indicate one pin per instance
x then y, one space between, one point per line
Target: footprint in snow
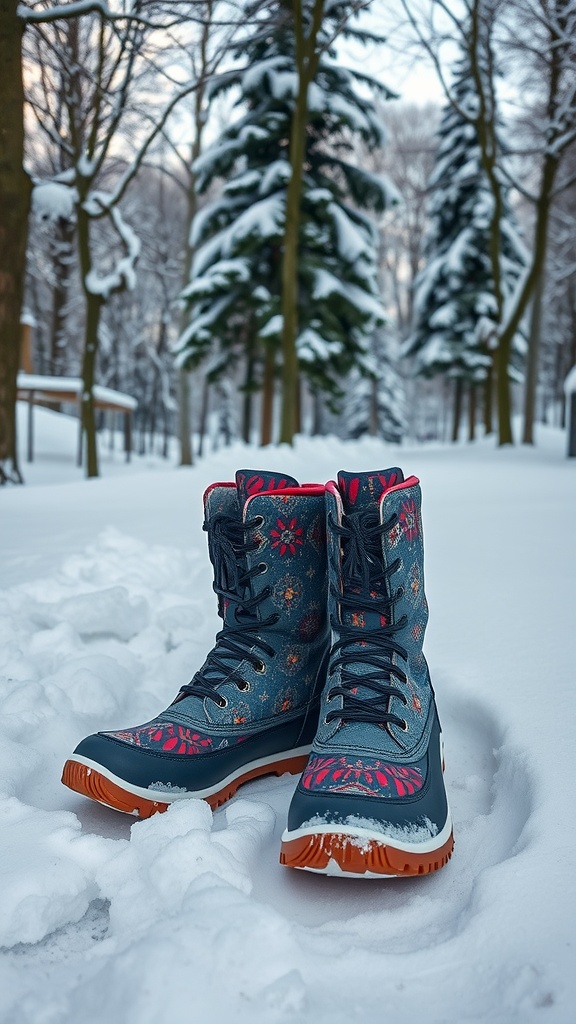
490 797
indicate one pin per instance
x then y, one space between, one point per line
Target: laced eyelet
259 521
243 685
404 725
260 667
263 567
222 702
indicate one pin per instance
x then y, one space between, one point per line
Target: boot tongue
364 490
255 481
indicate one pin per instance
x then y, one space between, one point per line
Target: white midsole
372 835
169 796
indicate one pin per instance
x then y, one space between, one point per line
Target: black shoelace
228 544
366 589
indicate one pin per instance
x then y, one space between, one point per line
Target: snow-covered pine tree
454 298
234 293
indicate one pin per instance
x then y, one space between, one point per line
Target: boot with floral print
371 801
252 709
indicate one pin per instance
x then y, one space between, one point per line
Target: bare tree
14 207
544 32
105 62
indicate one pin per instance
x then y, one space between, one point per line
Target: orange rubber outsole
93 784
358 856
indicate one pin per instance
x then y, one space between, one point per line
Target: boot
371 800
252 709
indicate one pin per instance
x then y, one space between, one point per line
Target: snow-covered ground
106 609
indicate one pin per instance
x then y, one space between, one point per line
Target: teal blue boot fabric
371 800
252 708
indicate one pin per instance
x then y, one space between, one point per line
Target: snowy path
191 915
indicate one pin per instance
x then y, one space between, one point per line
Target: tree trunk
316 413
472 412
290 269
298 419
503 399
489 401
184 425
14 206
458 392
249 385
532 361
93 309
373 426
203 416
307 58
268 394
62 253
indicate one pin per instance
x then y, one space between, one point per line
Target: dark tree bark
458 393
472 412
203 416
93 310
532 362
489 402
14 208
268 394
62 260
249 385
307 58
316 413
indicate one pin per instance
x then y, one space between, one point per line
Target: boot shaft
385 500
284 531
267 543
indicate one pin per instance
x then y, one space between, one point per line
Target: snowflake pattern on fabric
414 584
408 519
170 737
285 701
366 777
394 535
287 536
287 593
293 660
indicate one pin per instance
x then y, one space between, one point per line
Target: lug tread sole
93 784
320 851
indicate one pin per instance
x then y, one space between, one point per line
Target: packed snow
106 609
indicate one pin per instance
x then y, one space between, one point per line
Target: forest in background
231 219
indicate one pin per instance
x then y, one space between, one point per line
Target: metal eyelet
404 725
243 685
263 567
259 521
260 667
222 702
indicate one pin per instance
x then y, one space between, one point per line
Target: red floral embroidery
287 536
376 484
168 736
371 779
255 484
409 519
171 737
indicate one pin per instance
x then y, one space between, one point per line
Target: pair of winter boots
318 669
